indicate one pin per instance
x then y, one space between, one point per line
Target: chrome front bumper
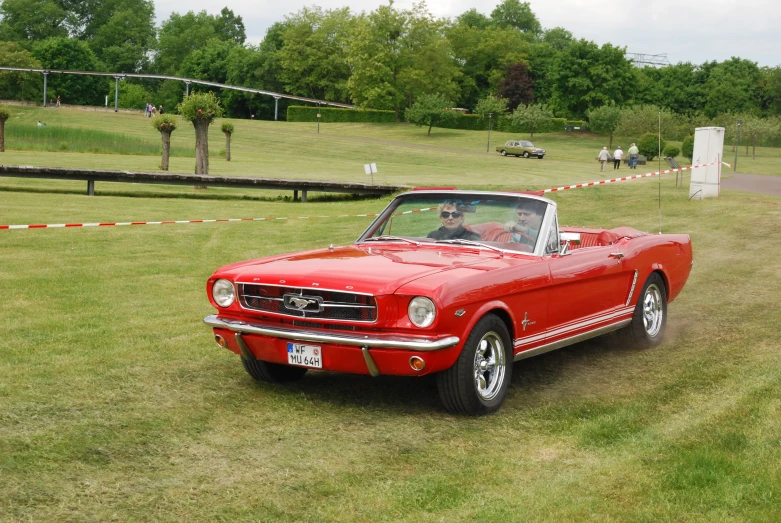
391 342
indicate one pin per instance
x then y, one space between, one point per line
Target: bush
648 145
671 151
687 147
297 113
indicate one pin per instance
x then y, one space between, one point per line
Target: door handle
616 255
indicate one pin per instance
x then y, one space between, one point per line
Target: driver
452 223
526 227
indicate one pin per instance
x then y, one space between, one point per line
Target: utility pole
737 146
488 146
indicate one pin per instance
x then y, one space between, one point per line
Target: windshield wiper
470 242
391 238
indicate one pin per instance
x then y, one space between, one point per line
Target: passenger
526 227
452 224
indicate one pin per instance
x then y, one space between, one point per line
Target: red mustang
452 282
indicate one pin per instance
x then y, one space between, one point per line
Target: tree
201 109
491 105
19 85
133 96
605 120
121 33
483 56
314 54
586 76
210 62
532 115
733 85
5 114
396 56
166 124
227 128
773 90
558 38
754 129
33 20
230 27
513 13
638 120
649 145
179 36
517 86
473 18
74 55
430 110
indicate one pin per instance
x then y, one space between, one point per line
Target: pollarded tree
532 115
166 124
4 115
605 120
430 109
201 109
227 128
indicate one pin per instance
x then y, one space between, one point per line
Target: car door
586 284
513 148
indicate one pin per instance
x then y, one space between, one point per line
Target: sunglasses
454 214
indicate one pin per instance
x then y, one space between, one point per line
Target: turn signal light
221 341
417 363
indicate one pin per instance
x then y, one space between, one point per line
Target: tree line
388 58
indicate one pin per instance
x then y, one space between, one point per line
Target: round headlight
422 311
223 293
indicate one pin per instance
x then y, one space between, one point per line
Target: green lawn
116 404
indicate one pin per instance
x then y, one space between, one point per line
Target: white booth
708 150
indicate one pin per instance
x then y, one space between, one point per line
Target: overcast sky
685 30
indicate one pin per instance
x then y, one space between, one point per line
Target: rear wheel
504 153
650 316
272 372
526 154
478 381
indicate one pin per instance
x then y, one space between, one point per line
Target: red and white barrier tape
627 178
172 222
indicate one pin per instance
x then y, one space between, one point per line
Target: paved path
755 183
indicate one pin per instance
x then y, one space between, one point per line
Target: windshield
526 144
495 221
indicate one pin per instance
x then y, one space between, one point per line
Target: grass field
115 403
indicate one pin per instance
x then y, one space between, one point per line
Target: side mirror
566 239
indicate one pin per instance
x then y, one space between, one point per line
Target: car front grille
308 303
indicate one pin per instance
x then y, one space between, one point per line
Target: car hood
372 269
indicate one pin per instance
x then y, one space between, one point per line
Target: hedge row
467 122
297 113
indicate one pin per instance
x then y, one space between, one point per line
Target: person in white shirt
604 156
617 157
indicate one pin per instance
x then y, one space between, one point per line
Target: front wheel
650 316
272 372
504 153
540 156
478 381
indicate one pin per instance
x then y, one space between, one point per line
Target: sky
694 31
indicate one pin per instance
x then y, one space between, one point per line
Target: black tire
272 372
460 385
526 154
504 153
541 156
649 319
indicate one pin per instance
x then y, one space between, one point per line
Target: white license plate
305 355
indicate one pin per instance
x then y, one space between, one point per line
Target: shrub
648 145
671 151
687 147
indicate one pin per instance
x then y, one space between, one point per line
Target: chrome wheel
489 366
504 153
653 312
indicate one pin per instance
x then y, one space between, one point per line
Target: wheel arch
658 269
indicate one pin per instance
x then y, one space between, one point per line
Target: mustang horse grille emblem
297 302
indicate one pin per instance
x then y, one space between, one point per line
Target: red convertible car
456 283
